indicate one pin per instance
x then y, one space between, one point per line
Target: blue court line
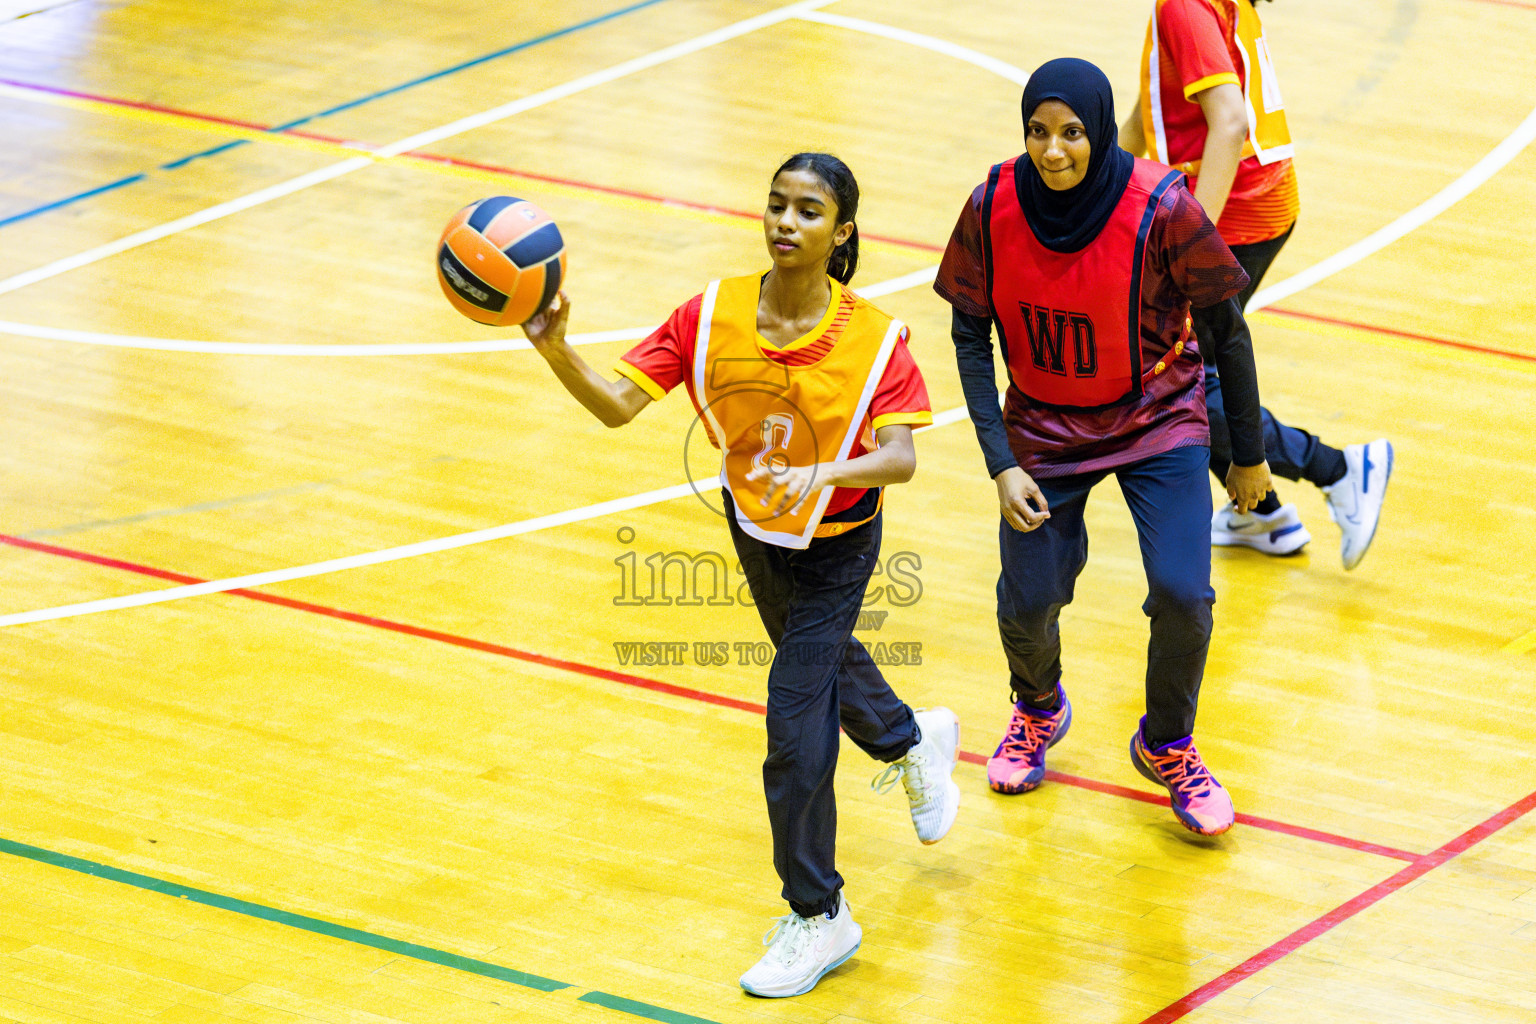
225 147
337 931
120 183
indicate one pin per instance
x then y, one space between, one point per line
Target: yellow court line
167 118
1521 645
565 190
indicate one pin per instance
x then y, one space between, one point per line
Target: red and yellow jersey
670 356
1194 45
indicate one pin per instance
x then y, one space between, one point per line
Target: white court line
1479 173
10 10
900 284
417 141
502 344
1015 75
806 9
426 547
235 348
213 213
1420 215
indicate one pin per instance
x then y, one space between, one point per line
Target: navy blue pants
1292 453
1171 504
821 676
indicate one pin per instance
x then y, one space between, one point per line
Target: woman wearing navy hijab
1098 269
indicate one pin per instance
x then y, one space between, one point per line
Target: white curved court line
1002 68
426 547
1474 177
1420 215
234 348
416 141
1499 157
441 348
1479 173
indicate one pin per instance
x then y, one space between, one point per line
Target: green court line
283 917
337 931
640 1009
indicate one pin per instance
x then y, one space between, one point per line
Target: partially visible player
1210 106
812 395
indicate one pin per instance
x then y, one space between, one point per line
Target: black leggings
1292 452
821 677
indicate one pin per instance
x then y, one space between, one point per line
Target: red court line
1342 913
399 627
587 186
1253 820
1391 332
437 158
155 108
1510 3
685 204
1419 866
655 685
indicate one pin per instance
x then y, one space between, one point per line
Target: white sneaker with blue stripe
1354 501
1279 533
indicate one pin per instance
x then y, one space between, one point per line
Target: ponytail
840 183
844 261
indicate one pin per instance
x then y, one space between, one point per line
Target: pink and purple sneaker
1018 766
1199 801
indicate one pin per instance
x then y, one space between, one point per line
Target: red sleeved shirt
1187 262
665 359
1197 50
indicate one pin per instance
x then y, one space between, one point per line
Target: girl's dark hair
838 179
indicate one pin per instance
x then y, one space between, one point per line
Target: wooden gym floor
401 759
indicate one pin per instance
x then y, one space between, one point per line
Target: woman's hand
613 402
788 487
1015 493
547 329
1247 485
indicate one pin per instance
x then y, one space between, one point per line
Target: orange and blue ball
501 260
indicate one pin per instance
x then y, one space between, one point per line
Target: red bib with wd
764 414
1070 321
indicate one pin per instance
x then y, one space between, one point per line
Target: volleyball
501 260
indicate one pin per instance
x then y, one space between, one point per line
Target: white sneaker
800 951
926 772
1279 533
1354 501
